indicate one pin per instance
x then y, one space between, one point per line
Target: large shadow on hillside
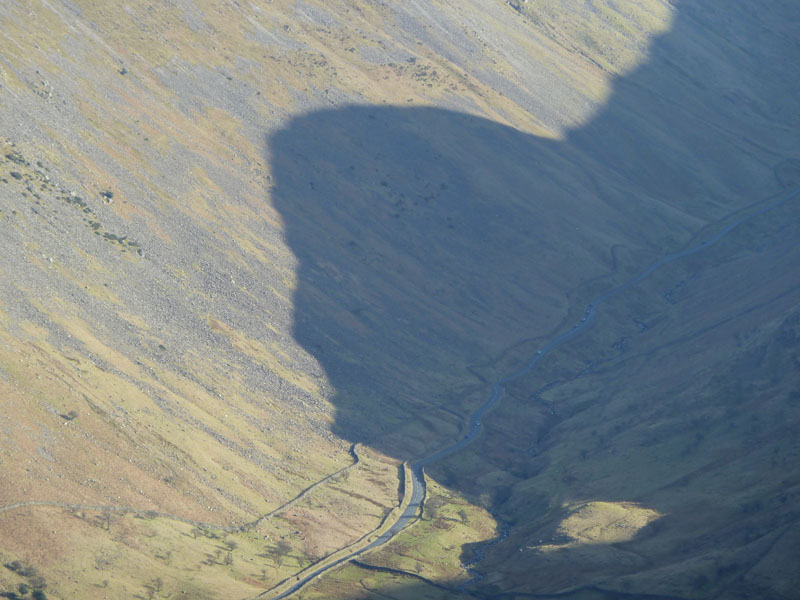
429 240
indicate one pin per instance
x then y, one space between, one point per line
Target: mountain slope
238 239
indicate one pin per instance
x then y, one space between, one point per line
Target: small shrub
37 582
22 569
16 157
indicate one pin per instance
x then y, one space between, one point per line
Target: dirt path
125 510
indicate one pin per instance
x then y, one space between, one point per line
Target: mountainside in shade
258 255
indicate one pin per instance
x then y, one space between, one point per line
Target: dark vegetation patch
35 583
36 178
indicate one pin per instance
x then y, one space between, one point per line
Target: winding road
417 485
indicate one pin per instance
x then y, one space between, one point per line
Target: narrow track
141 512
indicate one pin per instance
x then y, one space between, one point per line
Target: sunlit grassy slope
160 390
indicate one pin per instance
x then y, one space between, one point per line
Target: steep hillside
256 255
